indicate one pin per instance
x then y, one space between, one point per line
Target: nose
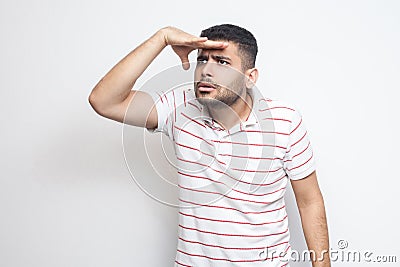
207 69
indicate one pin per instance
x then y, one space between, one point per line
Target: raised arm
113 93
312 212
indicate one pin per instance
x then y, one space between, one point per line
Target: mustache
209 81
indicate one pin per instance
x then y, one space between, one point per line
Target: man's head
245 41
222 76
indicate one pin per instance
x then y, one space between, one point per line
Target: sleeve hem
158 106
302 174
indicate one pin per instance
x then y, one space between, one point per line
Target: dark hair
247 44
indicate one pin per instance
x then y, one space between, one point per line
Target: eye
201 61
223 62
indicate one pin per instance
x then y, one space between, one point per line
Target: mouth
205 87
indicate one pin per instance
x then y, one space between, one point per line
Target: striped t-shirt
232 182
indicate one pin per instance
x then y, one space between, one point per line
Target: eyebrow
221 57
217 57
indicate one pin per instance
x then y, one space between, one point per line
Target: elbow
316 203
95 99
92 101
95 104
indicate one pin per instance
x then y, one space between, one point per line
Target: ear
252 76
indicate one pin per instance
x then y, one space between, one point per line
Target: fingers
210 44
203 42
197 43
200 39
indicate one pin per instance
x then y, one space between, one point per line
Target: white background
66 196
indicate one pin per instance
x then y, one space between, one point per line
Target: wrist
163 35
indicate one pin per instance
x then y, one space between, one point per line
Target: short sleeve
164 104
299 159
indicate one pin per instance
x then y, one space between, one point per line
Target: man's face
219 80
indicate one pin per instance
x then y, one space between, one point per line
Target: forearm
116 85
315 229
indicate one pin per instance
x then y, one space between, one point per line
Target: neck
237 112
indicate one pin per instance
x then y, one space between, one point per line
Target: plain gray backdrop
66 195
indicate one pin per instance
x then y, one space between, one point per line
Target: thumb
185 62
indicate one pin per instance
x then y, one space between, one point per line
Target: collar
251 119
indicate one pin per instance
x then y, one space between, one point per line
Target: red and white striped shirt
232 183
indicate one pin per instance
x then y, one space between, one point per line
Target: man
236 150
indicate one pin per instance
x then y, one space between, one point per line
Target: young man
236 150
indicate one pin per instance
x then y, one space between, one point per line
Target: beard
222 96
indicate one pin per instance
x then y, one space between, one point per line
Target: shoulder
277 107
285 115
173 97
